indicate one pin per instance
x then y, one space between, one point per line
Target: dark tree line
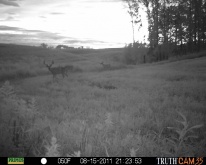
178 24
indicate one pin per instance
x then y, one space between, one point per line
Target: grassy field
154 109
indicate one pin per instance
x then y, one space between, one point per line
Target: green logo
15 160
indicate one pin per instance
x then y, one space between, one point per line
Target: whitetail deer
65 69
105 66
55 70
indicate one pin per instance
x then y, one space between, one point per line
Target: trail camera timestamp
111 161
128 160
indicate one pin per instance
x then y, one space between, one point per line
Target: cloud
8 28
42 17
91 1
40 33
9 3
89 43
49 35
77 41
10 18
17 35
11 13
56 13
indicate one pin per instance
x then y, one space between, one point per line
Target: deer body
58 70
105 66
65 70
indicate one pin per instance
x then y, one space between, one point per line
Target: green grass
188 56
144 110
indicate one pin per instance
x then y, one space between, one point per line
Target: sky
75 23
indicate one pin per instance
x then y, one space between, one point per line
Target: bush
135 53
19 116
160 53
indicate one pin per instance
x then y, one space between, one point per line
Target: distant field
143 110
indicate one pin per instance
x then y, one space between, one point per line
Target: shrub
160 52
18 116
135 53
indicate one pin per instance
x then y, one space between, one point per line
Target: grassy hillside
26 61
120 111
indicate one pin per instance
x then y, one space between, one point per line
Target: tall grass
147 110
107 136
135 53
